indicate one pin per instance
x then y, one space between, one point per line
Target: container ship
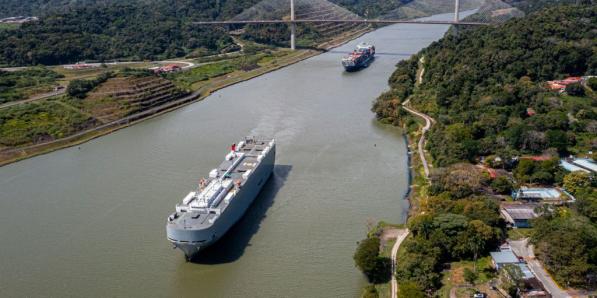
222 198
361 57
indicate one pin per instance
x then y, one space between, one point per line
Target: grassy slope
22 84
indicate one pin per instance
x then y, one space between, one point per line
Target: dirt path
401 235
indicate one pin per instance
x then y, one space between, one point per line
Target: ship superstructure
361 57
221 199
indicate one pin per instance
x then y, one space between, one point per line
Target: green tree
410 290
367 259
542 177
512 279
586 203
524 170
567 245
366 255
576 181
475 239
557 139
420 264
575 89
592 83
80 88
421 224
502 185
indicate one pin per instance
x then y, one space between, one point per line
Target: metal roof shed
502 258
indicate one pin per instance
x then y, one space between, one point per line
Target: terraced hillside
49 120
123 96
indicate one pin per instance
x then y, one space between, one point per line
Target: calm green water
89 221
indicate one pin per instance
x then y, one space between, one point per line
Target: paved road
402 234
421 145
33 98
521 248
188 64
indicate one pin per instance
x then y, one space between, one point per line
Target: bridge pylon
293 21
457 11
292 27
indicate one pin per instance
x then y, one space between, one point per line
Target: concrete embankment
10 155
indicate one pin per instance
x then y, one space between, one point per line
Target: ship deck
229 171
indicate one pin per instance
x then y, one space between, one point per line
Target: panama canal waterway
89 221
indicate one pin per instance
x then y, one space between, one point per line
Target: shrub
576 181
410 290
470 276
592 83
502 185
370 292
575 89
80 88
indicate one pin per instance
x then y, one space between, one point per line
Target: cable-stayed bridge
261 13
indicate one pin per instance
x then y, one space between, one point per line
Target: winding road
402 234
428 122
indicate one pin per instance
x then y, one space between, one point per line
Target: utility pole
292 27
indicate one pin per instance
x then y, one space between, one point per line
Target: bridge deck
360 21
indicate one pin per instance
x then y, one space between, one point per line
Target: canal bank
11 155
89 220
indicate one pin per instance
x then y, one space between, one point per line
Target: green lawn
186 79
204 72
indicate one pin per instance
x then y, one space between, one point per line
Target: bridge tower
293 24
292 27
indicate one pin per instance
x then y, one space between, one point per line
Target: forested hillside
74 30
110 30
487 90
535 5
481 84
210 8
10 8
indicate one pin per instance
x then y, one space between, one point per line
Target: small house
500 259
543 194
585 163
560 85
518 216
167 68
571 167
